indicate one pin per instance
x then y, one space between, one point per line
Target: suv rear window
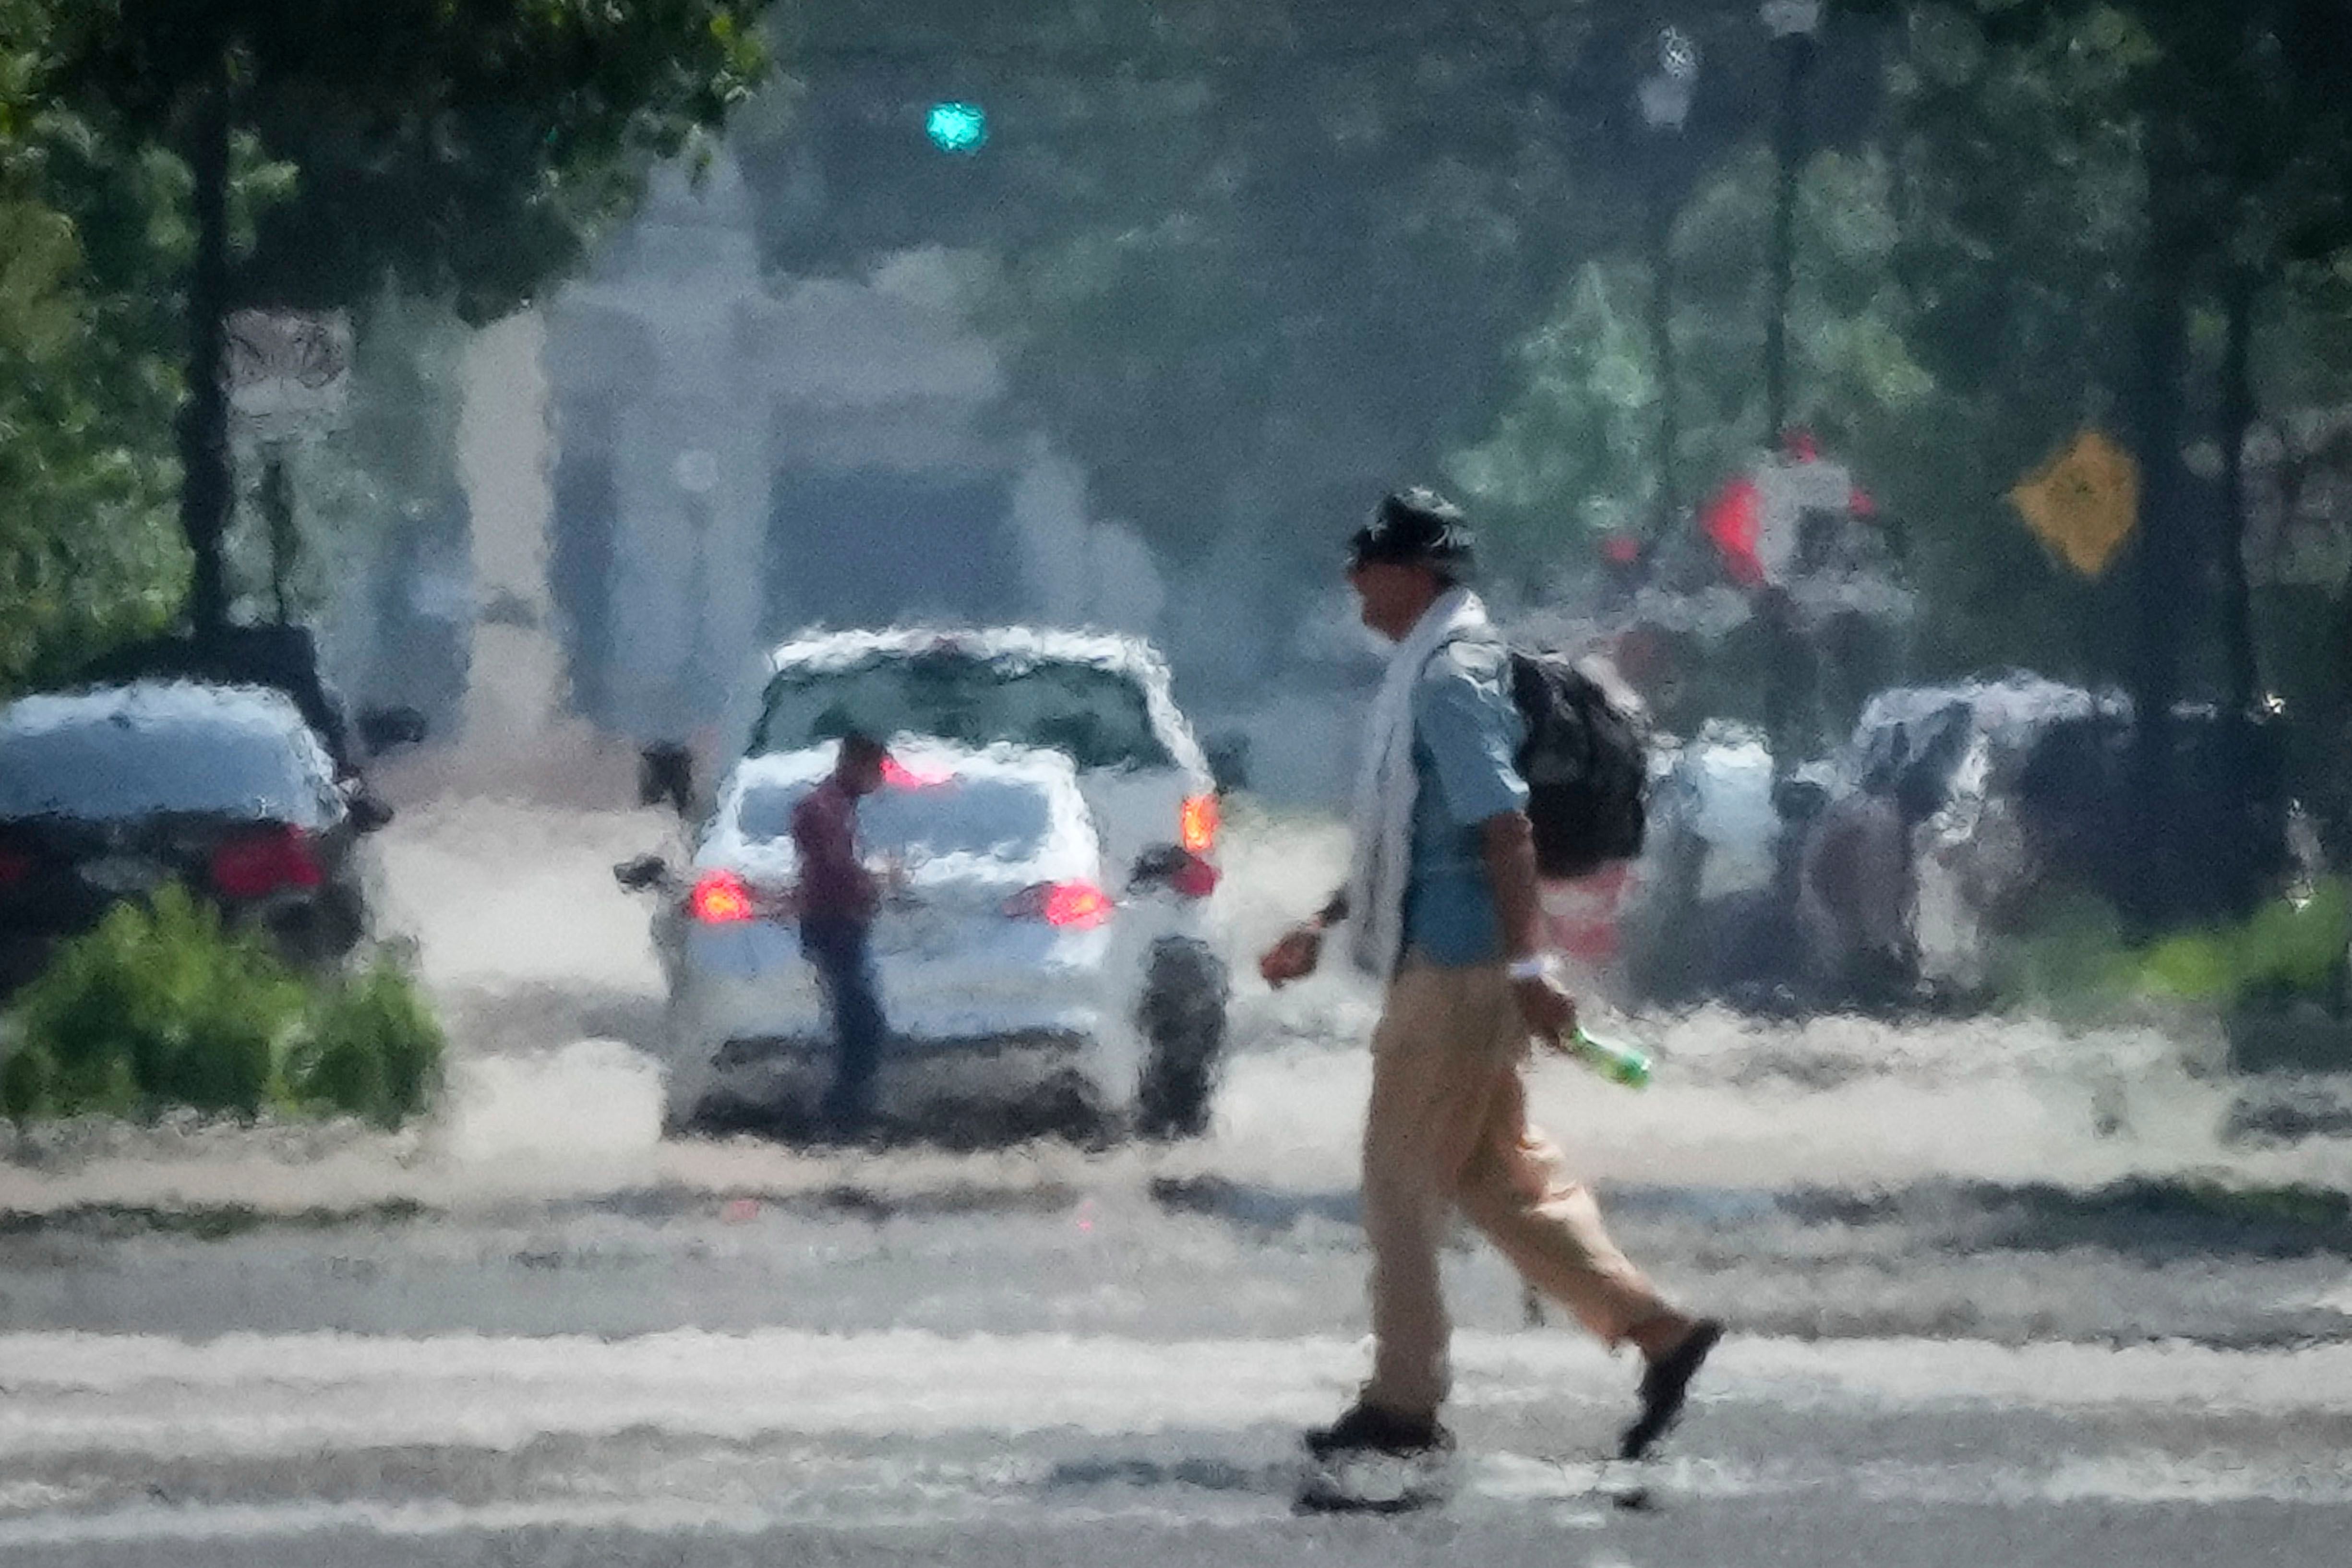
995 818
1097 718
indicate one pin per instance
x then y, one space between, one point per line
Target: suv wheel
1184 1040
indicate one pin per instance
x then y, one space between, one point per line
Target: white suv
1103 703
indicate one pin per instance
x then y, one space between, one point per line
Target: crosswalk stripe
299 1394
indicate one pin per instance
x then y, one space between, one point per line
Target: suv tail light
1197 823
899 776
14 866
1069 905
720 898
254 864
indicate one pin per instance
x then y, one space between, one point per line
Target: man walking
1444 909
838 897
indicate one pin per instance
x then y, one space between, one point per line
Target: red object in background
14 866
1620 549
253 865
1196 878
1734 521
1580 916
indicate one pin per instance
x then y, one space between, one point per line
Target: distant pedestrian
1444 908
838 898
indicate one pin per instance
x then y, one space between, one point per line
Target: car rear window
1097 718
996 819
105 769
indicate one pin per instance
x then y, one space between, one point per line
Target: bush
373 1049
163 1007
159 1006
2069 959
2072 958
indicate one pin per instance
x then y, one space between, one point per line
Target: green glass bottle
1613 1059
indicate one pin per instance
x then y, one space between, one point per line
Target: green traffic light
956 127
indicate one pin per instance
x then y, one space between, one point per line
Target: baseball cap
1414 528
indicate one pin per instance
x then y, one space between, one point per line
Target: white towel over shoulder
1386 785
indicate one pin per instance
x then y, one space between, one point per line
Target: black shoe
1369 1429
1664 1386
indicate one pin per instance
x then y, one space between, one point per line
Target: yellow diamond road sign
2083 503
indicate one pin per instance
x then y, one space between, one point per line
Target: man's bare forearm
1509 844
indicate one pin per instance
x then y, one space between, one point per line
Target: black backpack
1586 763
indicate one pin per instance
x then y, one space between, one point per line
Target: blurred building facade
738 455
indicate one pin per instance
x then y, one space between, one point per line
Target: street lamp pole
1665 98
1792 24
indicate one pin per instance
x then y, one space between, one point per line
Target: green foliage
158 1005
1573 456
161 1007
2293 946
2071 959
374 1048
1252 259
466 153
86 550
2068 960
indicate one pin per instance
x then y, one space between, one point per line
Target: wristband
1536 969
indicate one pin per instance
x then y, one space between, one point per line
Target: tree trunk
2237 418
205 479
1662 350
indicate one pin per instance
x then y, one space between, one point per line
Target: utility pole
1792 24
1665 98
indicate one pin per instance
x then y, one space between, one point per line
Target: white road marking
293 1395
739 1433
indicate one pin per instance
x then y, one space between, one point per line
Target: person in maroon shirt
838 897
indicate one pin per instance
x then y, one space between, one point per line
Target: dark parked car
107 794
281 658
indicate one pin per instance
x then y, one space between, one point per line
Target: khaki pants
1447 1128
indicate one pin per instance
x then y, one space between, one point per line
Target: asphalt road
2002 1294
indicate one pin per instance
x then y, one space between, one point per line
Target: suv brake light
1197 823
15 867
720 898
254 864
899 776
1069 906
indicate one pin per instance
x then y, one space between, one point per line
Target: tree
1251 261
461 150
86 551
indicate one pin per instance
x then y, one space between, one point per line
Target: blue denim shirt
1467 732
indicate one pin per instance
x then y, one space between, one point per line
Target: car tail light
720 898
1197 823
254 864
1069 905
15 867
899 776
